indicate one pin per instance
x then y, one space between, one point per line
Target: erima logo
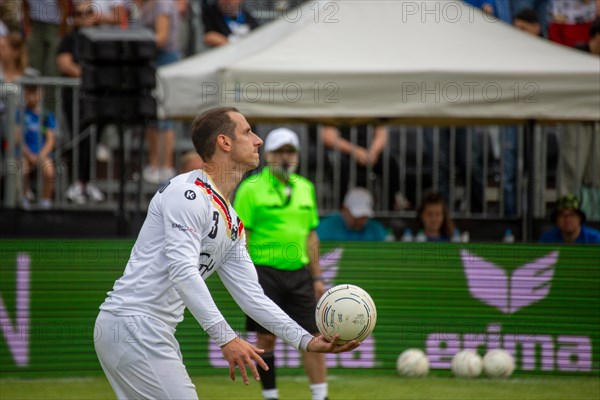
528 284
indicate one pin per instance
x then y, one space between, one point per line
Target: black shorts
292 291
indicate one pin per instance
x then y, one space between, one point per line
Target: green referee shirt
278 223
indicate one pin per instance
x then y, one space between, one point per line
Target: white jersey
190 232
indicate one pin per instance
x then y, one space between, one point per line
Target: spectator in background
571 21
13 65
528 21
367 156
569 220
354 222
184 34
68 63
434 218
190 161
226 21
279 211
37 142
13 58
45 24
503 10
163 19
540 7
593 44
580 150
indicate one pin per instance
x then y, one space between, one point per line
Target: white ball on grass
412 363
498 363
467 364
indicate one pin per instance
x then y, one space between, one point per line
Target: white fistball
412 363
498 364
347 310
467 364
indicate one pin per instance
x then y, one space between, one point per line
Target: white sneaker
25 204
151 175
45 204
93 193
75 193
166 173
102 152
29 195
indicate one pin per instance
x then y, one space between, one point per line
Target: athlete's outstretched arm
239 277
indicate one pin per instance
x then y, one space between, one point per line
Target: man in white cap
279 211
354 222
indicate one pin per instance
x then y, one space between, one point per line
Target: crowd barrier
497 164
539 302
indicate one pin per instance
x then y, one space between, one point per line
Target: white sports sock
319 391
270 394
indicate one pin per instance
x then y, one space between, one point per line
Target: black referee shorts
292 291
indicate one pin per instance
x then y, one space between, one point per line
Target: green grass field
345 387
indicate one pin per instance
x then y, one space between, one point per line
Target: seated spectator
37 142
569 220
434 219
528 21
226 21
354 221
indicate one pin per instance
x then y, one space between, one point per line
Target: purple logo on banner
17 333
491 284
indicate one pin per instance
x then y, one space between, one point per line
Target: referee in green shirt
279 212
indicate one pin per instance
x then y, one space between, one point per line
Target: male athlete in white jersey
190 232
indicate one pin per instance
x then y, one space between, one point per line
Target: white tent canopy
395 60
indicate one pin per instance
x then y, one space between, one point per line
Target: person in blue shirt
354 222
226 21
38 140
569 220
434 218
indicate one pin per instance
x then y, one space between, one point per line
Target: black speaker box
117 108
113 44
115 77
